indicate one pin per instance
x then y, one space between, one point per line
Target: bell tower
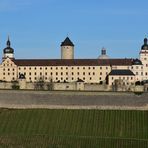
144 58
8 52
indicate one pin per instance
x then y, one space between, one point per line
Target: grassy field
73 128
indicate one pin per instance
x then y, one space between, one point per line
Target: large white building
68 69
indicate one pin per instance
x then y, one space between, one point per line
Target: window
66 73
40 68
61 78
78 73
93 73
83 78
24 68
131 78
61 67
77 67
90 78
4 69
45 73
56 68
8 69
112 78
29 68
83 73
56 73
61 73
66 67
51 68
100 67
56 78
35 68
72 78
71 67
51 73
89 73
4 73
45 68
35 78
136 73
100 78
30 73
106 67
93 67
83 67
100 73
35 73
40 73
13 73
72 73
13 69
88 67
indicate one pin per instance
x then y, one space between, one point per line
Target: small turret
103 54
145 45
67 49
8 51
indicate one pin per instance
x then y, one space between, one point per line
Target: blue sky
37 27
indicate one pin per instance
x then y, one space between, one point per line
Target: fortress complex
102 70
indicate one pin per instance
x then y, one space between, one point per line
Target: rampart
73 100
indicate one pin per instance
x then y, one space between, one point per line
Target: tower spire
8 42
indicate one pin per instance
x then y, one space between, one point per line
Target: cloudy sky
37 27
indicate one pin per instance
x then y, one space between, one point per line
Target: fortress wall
72 100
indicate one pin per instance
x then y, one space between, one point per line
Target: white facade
68 69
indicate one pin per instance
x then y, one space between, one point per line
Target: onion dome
136 62
67 42
145 45
103 54
8 49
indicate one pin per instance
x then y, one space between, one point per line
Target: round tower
8 51
67 49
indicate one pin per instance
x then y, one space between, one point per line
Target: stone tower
67 49
8 51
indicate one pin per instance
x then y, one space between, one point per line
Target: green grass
73 128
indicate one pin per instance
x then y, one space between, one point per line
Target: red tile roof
72 62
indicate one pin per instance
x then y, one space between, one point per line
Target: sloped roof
121 72
73 62
67 42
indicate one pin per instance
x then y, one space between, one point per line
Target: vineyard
73 128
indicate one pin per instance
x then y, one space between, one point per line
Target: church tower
67 49
8 51
144 58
